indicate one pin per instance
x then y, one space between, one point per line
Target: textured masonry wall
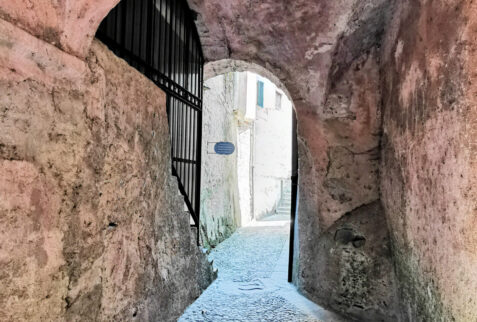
355 267
91 222
219 199
428 169
336 172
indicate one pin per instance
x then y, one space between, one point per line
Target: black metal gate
159 38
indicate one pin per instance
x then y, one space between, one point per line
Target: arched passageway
220 67
246 200
385 105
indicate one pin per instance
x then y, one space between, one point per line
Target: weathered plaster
428 168
92 225
356 267
69 25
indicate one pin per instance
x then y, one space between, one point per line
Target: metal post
294 194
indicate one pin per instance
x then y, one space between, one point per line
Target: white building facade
265 137
236 190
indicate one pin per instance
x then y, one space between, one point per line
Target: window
260 86
278 101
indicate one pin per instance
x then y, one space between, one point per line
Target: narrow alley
252 280
165 160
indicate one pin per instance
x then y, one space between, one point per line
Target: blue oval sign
224 148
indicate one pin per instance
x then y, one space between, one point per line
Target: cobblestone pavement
252 282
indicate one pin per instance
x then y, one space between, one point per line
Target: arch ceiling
321 51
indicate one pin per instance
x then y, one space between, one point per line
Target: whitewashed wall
272 148
244 175
220 210
263 153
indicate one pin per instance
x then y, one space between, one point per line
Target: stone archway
338 117
338 149
218 67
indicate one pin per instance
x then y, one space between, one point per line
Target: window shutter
260 86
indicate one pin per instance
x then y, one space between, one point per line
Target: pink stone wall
339 190
91 220
67 24
428 171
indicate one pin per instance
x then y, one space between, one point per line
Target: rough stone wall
354 256
68 24
91 222
347 175
428 170
219 206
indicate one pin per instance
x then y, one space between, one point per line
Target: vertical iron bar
173 130
189 174
172 121
175 56
179 135
201 76
165 42
191 63
184 147
201 87
123 22
196 49
186 142
175 133
173 42
197 68
150 31
170 41
141 34
187 60
198 172
133 31
183 141
160 47
294 194
193 139
181 47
